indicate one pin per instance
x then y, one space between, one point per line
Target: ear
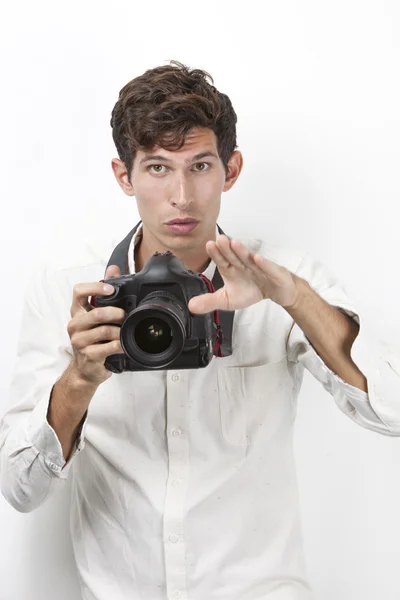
121 175
235 165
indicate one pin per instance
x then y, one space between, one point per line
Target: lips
181 221
182 226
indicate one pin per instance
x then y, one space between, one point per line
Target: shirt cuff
369 356
43 437
360 354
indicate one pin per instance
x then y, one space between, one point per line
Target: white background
315 85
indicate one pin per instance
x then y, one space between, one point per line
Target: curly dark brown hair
162 105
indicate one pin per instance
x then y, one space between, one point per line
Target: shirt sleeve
379 408
32 464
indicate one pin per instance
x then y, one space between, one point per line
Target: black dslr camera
159 332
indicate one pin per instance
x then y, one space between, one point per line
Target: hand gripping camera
159 332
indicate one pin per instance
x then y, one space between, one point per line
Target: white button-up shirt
184 483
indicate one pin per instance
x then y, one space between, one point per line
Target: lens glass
153 335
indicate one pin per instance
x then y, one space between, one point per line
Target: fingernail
108 288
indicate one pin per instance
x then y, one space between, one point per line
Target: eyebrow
165 159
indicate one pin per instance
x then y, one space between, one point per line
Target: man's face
178 192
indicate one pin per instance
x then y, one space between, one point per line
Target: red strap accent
219 336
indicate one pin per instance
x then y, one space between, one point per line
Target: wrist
79 381
302 291
71 394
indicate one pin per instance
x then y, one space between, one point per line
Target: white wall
316 88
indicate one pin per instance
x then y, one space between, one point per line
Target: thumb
206 303
112 271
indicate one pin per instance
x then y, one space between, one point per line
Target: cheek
148 195
208 191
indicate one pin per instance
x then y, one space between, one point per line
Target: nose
181 196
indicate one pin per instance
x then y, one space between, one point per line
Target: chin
182 243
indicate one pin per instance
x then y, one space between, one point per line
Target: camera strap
223 318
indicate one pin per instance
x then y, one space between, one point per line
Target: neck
195 259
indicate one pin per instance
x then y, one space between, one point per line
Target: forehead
196 140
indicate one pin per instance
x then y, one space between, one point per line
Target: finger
99 352
81 294
102 333
216 255
112 271
90 319
243 253
206 303
228 253
268 267
260 266
105 314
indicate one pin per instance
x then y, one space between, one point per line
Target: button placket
178 453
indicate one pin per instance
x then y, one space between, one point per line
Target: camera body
159 332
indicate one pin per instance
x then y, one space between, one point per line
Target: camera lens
153 335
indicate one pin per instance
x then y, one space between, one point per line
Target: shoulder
299 261
66 261
67 252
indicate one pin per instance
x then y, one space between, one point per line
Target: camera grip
116 363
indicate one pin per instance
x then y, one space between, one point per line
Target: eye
204 166
157 168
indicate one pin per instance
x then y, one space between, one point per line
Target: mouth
181 221
182 226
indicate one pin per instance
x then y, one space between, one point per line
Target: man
184 482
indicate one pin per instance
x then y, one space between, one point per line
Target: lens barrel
154 333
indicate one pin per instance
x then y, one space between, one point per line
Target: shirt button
176 432
53 467
176 482
177 594
173 538
175 377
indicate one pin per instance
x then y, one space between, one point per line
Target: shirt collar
137 238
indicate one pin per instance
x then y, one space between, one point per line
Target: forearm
330 332
68 404
31 467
